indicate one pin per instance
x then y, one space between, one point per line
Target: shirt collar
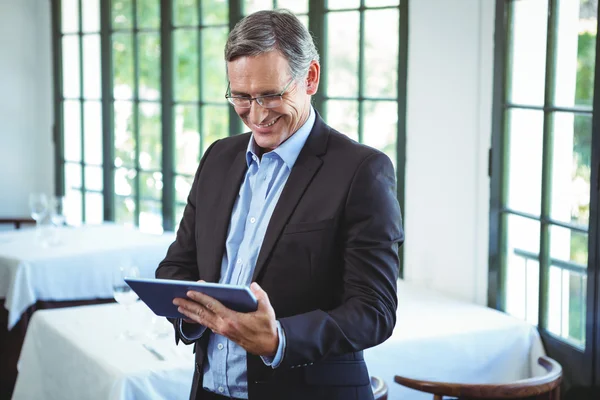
289 150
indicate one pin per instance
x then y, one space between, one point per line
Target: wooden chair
545 387
380 389
17 221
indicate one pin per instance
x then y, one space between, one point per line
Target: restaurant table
78 268
72 353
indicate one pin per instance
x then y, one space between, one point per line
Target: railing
575 268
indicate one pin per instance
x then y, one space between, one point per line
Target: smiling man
303 215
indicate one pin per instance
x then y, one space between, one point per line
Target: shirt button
221 389
252 220
220 346
239 261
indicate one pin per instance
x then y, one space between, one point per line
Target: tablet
158 294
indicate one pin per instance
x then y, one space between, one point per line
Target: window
140 90
541 170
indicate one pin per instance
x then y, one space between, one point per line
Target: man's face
267 74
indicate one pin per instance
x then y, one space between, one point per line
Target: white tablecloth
79 268
72 353
76 353
439 338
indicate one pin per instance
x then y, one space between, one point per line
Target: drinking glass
57 218
123 294
38 208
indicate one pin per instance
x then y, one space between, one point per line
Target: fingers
263 298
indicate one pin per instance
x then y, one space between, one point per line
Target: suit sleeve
180 260
371 234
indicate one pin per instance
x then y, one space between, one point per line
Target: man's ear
313 77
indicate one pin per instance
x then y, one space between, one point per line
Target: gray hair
265 31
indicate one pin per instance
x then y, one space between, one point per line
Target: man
305 216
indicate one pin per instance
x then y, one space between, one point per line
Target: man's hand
256 332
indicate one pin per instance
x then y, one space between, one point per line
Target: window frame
577 362
317 10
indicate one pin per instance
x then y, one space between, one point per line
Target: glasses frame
258 99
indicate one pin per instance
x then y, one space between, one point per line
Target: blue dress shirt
225 369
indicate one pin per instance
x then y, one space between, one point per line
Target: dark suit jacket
329 261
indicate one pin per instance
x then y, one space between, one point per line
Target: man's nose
257 112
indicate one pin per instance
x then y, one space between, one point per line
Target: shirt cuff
190 332
275 361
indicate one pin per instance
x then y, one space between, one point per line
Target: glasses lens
269 102
239 102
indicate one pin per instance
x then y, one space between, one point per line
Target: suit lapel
226 200
306 166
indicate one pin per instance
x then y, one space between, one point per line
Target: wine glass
57 218
38 208
122 293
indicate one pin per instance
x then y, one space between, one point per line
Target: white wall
26 150
450 73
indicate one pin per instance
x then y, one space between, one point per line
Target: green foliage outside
582 144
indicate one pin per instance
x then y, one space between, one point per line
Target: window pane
150 136
522 267
571 168
93 132
72 176
569 246
381 122
525 131
70 16
72 130
125 211
151 220
342 115
125 182
124 138
304 20
567 304
73 207
122 16
91 15
185 12
528 52
91 67
214 78
342 54
123 66
215 12
215 124
186 64
183 185
151 185
70 67
187 139
93 178
295 6
250 6
149 66
382 3
381 53
337 4
576 54
94 208
148 14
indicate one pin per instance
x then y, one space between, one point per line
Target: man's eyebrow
263 93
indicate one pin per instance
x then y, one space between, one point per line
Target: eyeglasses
267 101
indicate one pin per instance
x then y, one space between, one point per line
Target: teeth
269 124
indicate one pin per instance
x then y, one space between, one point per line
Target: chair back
17 222
544 387
380 389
